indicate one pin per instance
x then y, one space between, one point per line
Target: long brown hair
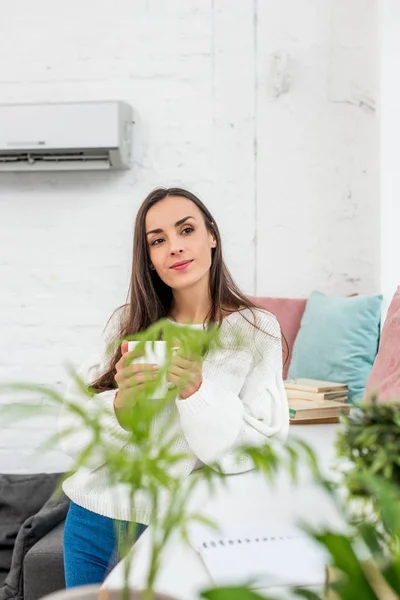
150 299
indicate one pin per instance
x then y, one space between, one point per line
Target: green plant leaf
391 574
203 520
300 446
370 442
353 584
308 594
370 537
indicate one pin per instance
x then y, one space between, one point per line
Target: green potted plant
370 442
150 468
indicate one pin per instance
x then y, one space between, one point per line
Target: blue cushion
338 340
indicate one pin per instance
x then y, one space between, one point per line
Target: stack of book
314 401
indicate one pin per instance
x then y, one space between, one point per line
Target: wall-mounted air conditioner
66 136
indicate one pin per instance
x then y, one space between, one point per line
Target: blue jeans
90 546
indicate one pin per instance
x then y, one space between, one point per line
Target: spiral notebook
263 559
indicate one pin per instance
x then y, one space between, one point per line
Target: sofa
44 565
32 514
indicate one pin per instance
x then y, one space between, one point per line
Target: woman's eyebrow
180 222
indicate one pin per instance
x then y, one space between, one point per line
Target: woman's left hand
186 373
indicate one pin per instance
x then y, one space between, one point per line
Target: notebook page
264 560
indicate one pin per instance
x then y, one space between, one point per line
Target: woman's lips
181 265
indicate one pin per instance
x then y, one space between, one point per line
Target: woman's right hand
130 377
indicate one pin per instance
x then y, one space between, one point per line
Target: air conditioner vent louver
32 157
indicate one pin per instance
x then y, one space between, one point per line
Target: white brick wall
283 152
317 183
390 134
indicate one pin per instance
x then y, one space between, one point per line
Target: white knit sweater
241 400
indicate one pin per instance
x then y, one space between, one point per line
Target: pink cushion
385 375
289 312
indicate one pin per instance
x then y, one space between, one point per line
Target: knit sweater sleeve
217 421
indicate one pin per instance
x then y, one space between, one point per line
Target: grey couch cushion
44 566
21 496
34 529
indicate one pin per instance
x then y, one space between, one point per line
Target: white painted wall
317 168
264 109
389 147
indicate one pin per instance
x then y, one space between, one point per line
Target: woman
178 273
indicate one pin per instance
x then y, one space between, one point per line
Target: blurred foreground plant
149 469
370 442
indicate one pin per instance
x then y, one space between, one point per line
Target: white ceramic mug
155 353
